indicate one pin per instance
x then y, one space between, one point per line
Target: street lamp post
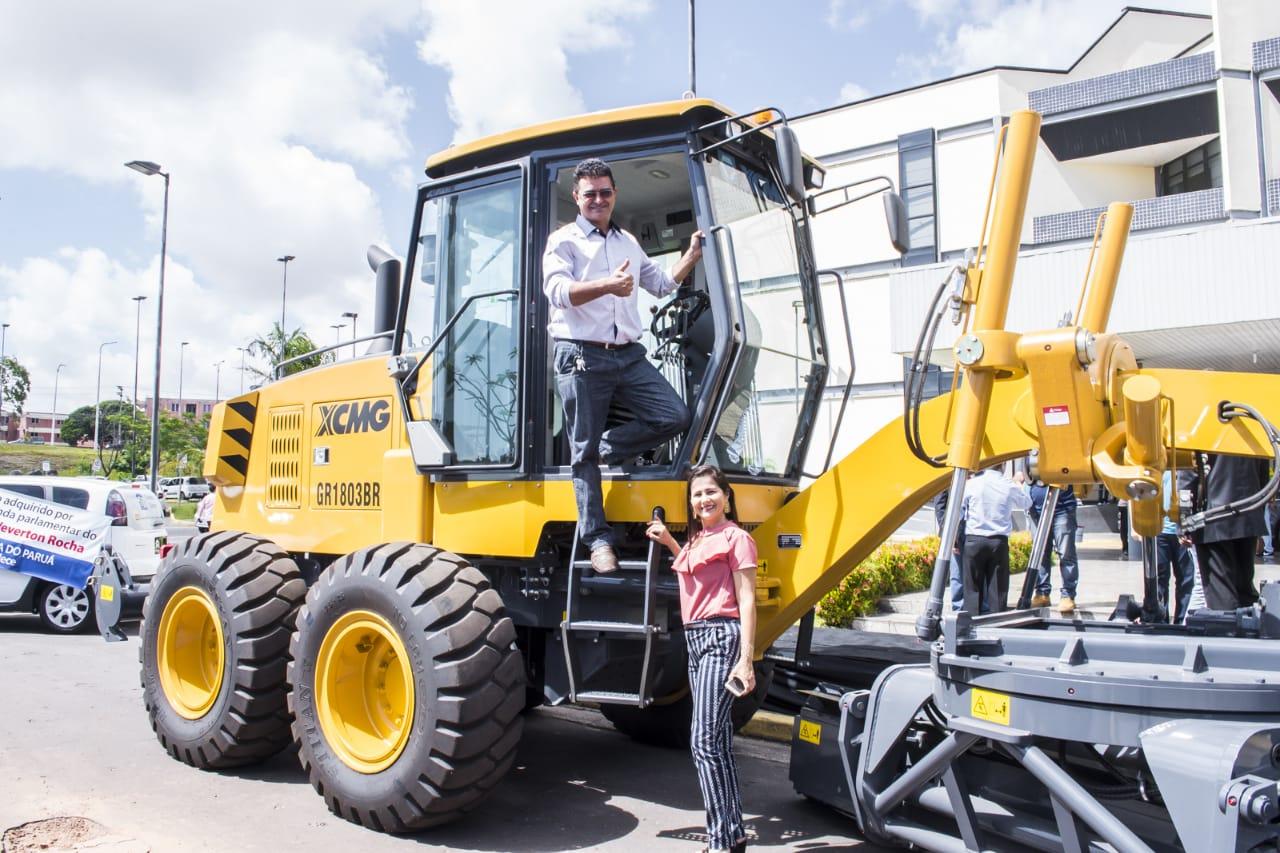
352 315
53 421
182 358
337 337
97 404
243 350
284 292
146 167
217 382
133 407
4 420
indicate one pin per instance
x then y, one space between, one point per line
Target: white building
1177 113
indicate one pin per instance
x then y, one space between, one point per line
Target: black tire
65 609
256 591
667 724
467 677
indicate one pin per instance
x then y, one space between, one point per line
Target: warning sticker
1056 415
989 706
810 732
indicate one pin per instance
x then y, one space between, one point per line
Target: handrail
748 130
731 276
275 371
444 332
848 337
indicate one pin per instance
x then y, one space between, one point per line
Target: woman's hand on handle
658 532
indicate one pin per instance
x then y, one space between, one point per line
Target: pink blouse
705 570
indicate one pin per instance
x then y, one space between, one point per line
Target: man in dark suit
1225 548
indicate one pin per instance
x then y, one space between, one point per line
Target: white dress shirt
579 252
989 501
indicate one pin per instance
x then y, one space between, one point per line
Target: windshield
779 372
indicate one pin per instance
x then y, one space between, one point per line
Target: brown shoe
1066 605
603 560
1039 600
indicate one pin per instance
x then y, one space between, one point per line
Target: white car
137 534
182 488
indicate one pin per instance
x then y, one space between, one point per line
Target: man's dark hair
593 167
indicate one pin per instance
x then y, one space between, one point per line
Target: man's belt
597 344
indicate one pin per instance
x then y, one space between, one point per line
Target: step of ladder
610 627
623 565
610 697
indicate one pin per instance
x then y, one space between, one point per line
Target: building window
916 180
1200 169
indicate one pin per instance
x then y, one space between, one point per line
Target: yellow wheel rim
190 656
364 691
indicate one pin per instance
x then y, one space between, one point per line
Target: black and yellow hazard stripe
232 424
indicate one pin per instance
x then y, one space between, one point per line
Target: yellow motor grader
394 575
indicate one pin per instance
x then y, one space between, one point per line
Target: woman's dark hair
695 524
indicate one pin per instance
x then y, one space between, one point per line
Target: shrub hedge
895 568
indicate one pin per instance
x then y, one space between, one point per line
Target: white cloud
839 17
853 92
975 34
508 60
261 113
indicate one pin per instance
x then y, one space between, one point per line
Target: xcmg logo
354 416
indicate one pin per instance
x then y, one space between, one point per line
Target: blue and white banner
48 540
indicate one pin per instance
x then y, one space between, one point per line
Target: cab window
469 244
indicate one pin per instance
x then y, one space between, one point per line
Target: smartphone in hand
735 686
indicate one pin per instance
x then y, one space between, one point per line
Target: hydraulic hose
1227 411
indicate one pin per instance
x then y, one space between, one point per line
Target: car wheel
64 609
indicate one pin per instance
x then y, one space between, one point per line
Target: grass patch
62 459
183 511
893 569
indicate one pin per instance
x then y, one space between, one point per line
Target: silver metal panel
1203 297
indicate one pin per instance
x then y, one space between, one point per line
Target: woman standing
717 574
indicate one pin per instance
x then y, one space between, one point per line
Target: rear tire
410 644
667 725
65 609
215 646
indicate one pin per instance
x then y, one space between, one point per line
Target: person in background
989 501
957 570
1063 542
716 570
204 510
1122 507
1225 548
1173 555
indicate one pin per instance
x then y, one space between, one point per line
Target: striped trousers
713 650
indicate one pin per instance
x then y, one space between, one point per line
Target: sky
301 128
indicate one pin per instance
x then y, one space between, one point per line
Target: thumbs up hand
620 283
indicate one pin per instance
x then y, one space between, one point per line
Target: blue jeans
589 379
1172 554
1064 542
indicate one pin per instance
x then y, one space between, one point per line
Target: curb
768 725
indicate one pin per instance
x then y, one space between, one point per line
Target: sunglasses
592 195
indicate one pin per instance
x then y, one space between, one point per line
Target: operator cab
742 340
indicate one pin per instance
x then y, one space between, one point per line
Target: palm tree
275 347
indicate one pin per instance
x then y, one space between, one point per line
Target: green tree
275 348
78 426
15 383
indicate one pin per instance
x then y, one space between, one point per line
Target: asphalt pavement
76 743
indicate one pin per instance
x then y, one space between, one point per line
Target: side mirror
790 163
895 216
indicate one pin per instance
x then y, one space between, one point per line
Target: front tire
64 609
215 644
407 687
